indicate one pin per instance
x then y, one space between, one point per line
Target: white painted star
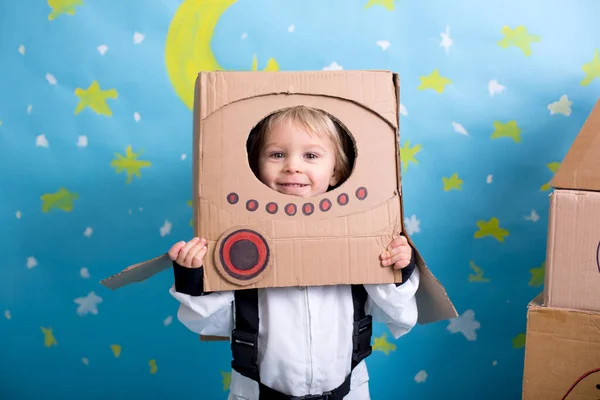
7 314
562 106
137 116
138 38
102 49
244 35
534 217
333 67
85 361
495 88
446 40
167 321
165 229
29 107
494 363
82 141
291 28
31 262
403 110
183 156
84 273
88 232
458 128
88 304
384 44
412 225
421 376
41 141
22 50
489 178
465 324
50 78
18 214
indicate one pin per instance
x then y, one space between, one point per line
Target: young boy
304 333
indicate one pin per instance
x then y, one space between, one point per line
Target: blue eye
276 155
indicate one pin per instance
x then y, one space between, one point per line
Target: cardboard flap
580 168
138 272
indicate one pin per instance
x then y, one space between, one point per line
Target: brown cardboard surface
339 239
562 354
580 168
573 251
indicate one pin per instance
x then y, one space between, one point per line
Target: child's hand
190 254
399 253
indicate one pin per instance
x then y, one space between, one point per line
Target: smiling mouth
292 185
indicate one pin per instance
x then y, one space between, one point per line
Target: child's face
296 163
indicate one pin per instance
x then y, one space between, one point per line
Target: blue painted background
130 343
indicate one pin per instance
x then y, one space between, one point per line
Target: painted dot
361 193
325 205
342 199
232 198
308 208
272 208
290 209
251 205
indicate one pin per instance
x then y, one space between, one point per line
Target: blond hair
314 122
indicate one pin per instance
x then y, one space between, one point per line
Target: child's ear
334 179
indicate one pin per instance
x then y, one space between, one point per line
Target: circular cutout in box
243 255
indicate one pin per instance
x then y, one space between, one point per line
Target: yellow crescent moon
188 45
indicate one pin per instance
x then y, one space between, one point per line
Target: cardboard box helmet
258 237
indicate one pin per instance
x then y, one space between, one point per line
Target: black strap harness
244 343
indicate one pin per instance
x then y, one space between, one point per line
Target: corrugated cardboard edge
550 248
567 175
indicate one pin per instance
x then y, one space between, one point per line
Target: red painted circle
290 209
342 199
260 246
232 198
251 205
361 193
272 208
325 205
308 208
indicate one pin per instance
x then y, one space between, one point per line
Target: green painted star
61 200
226 380
454 182
407 154
519 341
510 129
591 69
60 7
491 228
129 163
388 4
95 98
518 37
537 275
553 167
434 81
477 276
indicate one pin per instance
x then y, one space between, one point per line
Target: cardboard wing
260 238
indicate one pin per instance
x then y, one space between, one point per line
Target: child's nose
292 165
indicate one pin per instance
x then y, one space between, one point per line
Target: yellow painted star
129 163
509 129
591 69
388 4
116 350
518 37
60 7
95 98
477 276
381 344
61 200
153 366
49 339
226 380
434 81
537 275
271 65
491 228
407 154
189 203
454 182
553 167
